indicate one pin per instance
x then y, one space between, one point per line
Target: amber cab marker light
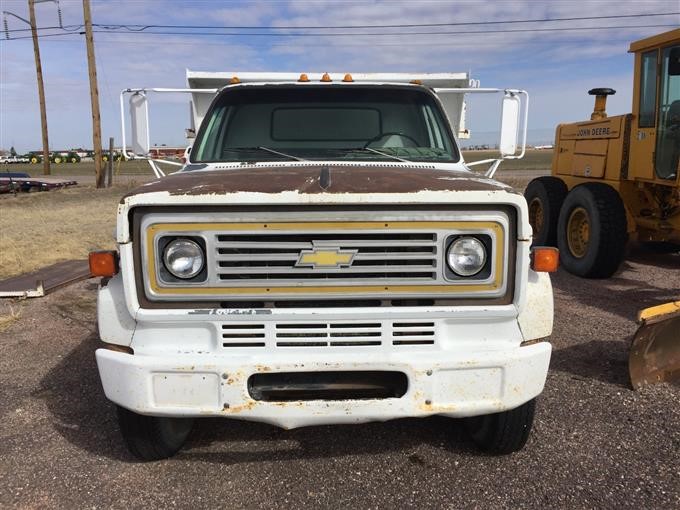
348 78
234 80
545 259
303 78
326 77
103 263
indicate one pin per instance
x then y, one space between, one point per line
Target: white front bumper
453 384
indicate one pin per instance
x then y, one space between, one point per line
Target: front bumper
452 384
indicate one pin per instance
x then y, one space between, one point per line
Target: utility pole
41 89
94 97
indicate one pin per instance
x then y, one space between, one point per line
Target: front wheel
592 231
153 437
505 432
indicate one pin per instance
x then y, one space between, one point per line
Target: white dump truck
325 256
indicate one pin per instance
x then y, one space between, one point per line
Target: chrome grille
377 256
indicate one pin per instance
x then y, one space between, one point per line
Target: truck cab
325 256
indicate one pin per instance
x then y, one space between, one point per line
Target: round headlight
466 256
183 258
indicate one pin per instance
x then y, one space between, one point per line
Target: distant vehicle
13 159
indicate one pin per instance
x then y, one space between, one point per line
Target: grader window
648 89
668 133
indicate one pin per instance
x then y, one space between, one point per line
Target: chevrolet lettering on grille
328 257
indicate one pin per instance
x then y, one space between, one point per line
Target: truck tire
57 159
592 231
505 432
152 437
35 160
545 196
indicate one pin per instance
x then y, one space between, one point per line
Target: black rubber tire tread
503 433
551 191
145 436
608 230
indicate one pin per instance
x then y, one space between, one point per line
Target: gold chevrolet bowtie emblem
328 257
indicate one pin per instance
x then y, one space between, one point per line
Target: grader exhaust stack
599 112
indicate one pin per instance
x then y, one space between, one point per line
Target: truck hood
318 179
323 184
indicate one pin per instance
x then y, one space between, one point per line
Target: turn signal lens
545 259
103 263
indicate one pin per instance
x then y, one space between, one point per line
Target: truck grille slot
376 257
325 334
413 333
243 335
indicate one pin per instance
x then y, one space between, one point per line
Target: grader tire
545 196
591 231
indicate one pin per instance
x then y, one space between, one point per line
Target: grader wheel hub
536 215
578 232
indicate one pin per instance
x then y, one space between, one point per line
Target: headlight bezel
166 275
487 268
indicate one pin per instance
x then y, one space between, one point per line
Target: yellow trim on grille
472 226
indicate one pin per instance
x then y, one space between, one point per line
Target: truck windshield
309 122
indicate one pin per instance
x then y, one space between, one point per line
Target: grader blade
655 351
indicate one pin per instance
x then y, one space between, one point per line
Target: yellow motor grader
617 178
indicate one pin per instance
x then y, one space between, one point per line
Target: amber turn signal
545 259
103 263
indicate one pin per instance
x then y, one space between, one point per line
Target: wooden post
109 169
41 89
94 96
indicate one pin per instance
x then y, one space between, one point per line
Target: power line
370 34
140 27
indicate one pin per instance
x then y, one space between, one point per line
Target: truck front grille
311 258
274 259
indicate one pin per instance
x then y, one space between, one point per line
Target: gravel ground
595 443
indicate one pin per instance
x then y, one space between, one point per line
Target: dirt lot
596 443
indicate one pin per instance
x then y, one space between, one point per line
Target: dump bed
454 104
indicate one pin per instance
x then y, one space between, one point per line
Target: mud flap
655 351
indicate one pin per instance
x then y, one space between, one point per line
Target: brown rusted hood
318 179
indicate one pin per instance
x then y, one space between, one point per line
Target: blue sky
557 68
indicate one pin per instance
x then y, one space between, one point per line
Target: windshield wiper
370 149
265 149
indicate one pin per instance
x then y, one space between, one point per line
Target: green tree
12 152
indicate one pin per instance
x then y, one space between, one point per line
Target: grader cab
618 178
